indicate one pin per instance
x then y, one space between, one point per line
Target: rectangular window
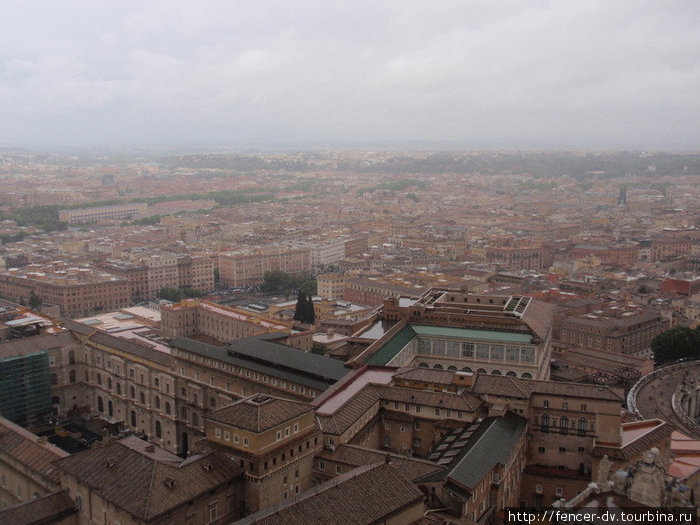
482 351
467 349
527 354
512 353
217 432
497 353
321 465
213 512
245 442
227 435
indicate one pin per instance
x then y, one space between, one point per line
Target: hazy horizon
467 76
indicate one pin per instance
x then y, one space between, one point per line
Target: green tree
34 300
299 308
318 348
309 313
171 294
677 343
309 287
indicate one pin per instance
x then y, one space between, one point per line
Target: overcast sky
522 74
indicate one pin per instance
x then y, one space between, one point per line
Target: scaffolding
25 387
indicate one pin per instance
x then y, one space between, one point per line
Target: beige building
77 291
331 285
247 269
26 465
119 211
274 440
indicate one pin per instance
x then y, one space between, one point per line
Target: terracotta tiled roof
427 375
365 495
517 387
362 402
660 433
35 344
259 412
147 485
40 511
128 346
26 448
356 456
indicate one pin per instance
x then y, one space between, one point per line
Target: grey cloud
504 74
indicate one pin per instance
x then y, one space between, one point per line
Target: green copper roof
465 333
392 347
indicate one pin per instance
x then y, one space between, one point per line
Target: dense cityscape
346 336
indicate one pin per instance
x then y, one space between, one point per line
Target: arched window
100 404
481 371
110 409
424 365
157 402
54 379
119 389
142 397
71 376
133 419
132 392
467 369
452 367
195 419
159 431
109 383
438 367
510 373
564 423
167 407
496 373
582 424
71 357
545 420
99 379
527 375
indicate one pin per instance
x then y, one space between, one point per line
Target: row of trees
177 294
282 282
679 342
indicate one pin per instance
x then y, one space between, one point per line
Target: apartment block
77 291
120 211
247 269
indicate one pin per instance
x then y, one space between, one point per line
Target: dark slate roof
289 357
259 412
393 346
481 448
44 510
147 485
366 495
288 369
